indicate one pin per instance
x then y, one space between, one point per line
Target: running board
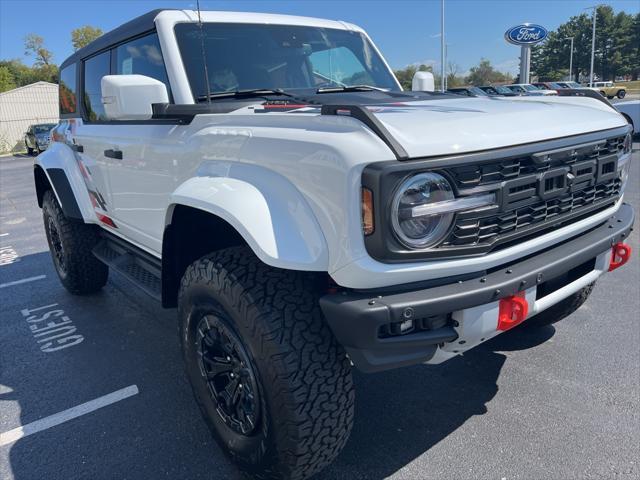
134 264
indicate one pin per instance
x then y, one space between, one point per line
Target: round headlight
413 229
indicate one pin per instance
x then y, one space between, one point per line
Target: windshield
573 85
43 128
501 89
530 88
247 56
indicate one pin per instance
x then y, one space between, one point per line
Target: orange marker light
367 211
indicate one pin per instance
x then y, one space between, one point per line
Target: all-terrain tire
70 243
302 375
561 309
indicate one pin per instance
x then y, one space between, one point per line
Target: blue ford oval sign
526 34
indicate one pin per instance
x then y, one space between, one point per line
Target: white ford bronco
268 176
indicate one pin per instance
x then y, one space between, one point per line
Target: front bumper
356 317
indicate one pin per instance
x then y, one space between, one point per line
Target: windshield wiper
351 88
249 93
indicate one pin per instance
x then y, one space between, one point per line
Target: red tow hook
620 254
513 310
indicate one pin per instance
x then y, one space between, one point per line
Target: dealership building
22 107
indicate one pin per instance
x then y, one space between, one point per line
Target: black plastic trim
363 114
62 187
355 317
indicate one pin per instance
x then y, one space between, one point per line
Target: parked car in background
631 111
468 91
574 85
548 86
37 137
528 89
609 89
500 90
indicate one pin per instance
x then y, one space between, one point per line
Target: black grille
595 188
467 176
484 231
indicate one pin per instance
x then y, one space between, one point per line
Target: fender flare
268 212
61 169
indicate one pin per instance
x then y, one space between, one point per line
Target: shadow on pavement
403 413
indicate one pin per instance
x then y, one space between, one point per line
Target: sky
406 31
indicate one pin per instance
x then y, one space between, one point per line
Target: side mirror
423 82
129 97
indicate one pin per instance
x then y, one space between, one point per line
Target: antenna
204 55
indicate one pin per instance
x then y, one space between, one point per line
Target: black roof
138 25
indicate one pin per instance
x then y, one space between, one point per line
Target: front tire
71 244
244 323
29 149
621 94
560 310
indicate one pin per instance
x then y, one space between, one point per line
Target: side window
142 56
67 89
94 69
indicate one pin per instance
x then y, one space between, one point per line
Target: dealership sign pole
525 35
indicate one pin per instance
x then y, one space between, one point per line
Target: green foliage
617 49
83 36
7 82
24 75
485 74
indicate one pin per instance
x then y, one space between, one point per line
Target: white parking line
66 415
3 234
24 280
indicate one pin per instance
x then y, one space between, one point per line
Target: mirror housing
423 82
129 97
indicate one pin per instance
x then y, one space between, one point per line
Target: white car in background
528 89
631 111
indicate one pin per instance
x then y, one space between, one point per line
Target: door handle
117 154
77 148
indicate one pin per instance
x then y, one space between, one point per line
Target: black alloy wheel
227 370
57 250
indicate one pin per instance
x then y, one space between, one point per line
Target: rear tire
71 244
295 411
561 309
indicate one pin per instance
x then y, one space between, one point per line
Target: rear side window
67 89
94 69
142 56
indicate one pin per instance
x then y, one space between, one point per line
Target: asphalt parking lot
557 403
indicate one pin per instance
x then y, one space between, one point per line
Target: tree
617 48
34 45
83 36
24 75
484 74
7 82
453 80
